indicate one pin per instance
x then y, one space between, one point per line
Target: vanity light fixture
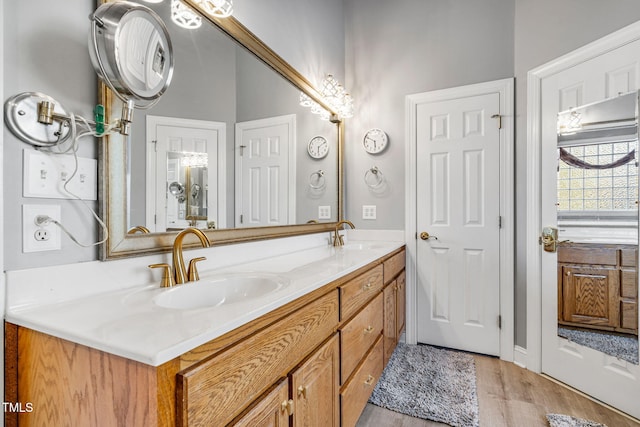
334 94
570 123
183 16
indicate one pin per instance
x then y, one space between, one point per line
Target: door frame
221 168
535 77
290 121
505 89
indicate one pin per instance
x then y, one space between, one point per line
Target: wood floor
510 396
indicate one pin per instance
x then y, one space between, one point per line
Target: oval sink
216 292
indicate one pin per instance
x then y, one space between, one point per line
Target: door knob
426 236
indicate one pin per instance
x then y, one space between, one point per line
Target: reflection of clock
375 140
318 147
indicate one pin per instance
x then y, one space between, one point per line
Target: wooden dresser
311 362
598 286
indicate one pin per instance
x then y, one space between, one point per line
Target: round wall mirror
131 51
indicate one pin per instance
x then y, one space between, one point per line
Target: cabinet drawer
355 293
629 317
629 283
357 336
588 255
393 266
356 393
217 389
629 257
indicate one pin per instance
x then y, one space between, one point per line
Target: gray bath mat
430 383
559 420
625 348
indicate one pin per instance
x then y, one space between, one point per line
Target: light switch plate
44 176
324 212
368 211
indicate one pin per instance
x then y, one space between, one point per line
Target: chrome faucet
337 238
179 269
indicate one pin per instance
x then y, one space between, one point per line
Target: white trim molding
520 356
535 78
505 89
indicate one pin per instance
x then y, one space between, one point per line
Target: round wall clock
318 147
375 141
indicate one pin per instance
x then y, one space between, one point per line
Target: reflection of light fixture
569 123
217 8
194 160
183 16
334 95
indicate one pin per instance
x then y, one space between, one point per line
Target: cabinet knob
367 287
369 381
302 391
287 406
369 329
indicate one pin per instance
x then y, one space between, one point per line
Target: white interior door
174 135
265 172
611 380
458 205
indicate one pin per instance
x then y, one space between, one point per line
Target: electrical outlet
38 235
368 211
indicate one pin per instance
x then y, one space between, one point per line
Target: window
591 193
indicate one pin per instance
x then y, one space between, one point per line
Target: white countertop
128 323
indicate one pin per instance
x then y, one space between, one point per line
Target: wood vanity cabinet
597 286
311 362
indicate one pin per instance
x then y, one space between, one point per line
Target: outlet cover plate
29 228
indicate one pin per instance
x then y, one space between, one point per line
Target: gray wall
46 50
409 46
40 57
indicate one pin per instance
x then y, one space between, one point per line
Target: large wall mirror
225 149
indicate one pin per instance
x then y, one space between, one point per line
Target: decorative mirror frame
112 164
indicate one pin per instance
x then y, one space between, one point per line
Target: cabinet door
390 329
270 411
316 387
591 295
401 304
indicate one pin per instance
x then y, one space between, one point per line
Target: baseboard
520 356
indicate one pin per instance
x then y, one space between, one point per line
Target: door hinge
155 218
500 221
155 145
499 117
499 321
241 218
242 147
416 235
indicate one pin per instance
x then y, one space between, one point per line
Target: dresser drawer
217 389
356 393
355 293
393 266
357 336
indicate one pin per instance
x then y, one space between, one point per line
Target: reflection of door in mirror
597 210
265 172
589 191
185 183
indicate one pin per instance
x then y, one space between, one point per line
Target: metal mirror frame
113 173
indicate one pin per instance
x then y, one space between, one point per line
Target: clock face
375 140
318 147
